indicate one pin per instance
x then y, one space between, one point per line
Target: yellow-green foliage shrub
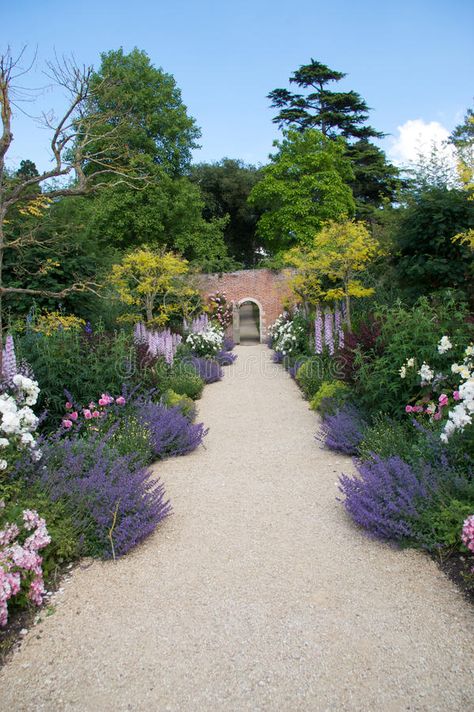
337 391
186 404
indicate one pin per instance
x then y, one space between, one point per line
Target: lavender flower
170 432
277 357
209 370
225 358
343 431
228 344
388 496
113 502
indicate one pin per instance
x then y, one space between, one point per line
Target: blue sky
413 62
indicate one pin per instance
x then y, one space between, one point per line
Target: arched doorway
248 322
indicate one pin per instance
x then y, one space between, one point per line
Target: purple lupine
199 324
9 368
388 495
343 431
140 333
328 330
229 343
318 331
338 326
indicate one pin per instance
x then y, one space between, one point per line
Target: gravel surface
257 594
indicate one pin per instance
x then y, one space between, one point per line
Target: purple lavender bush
228 344
114 503
170 432
343 430
225 358
208 369
277 357
293 370
388 496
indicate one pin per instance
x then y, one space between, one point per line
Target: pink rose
91 405
103 401
443 400
437 416
456 395
96 414
417 408
74 416
87 414
68 405
408 409
120 400
67 423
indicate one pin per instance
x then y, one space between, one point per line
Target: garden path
257 594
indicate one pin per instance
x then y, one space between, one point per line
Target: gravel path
257 594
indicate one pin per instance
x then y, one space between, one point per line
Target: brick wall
268 288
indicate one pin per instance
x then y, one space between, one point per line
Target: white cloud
417 137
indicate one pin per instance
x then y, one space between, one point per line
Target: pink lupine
338 326
9 368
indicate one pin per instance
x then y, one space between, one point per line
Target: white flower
4 442
410 362
3 464
426 374
431 408
403 372
470 350
444 345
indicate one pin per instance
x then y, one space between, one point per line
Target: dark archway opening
249 318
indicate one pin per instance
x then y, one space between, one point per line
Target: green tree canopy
426 259
145 105
304 185
225 187
345 114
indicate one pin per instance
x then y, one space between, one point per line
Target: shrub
334 391
439 526
362 342
207 369
186 404
310 376
184 380
83 363
207 342
170 432
388 495
407 333
113 503
386 437
343 431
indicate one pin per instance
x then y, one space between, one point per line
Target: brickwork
266 288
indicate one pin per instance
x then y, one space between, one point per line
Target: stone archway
236 324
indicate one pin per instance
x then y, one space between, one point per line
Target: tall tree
333 113
74 141
144 105
345 114
225 188
303 186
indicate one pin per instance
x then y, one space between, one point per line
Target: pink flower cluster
93 412
21 562
220 309
467 535
432 409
